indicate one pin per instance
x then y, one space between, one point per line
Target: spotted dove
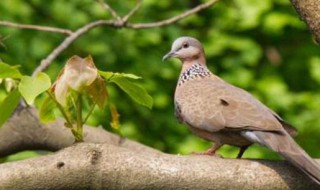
225 114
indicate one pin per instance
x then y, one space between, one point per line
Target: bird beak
169 55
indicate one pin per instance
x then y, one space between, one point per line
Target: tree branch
23 131
66 43
133 11
109 9
36 27
113 163
309 11
103 166
173 19
116 24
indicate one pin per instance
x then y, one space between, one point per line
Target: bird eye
185 45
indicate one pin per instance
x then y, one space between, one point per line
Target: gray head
186 49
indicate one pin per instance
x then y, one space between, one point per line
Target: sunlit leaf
98 92
8 71
108 75
114 117
249 12
8 106
31 87
136 92
315 68
276 22
46 112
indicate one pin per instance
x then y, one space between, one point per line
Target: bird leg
242 150
211 151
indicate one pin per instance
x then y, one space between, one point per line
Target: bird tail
290 150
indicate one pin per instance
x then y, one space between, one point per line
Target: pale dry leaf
77 74
80 73
60 88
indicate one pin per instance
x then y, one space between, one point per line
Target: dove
225 114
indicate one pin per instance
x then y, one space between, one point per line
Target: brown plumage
225 114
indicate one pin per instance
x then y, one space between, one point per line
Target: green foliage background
261 46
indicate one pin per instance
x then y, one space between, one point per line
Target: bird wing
212 104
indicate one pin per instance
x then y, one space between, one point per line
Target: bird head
186 49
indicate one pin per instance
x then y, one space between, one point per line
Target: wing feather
212 104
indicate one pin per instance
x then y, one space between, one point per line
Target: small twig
108 8
79 129
116 24
35 27
173 19
63 112
48 60
133 11
2 39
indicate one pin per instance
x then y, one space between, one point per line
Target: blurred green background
260 46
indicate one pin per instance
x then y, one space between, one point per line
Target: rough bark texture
108 162
309 11
104 166
24 131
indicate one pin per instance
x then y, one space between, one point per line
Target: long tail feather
289 149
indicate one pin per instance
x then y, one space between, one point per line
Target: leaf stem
64 113
79 136
90 112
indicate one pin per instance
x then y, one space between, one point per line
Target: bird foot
207 153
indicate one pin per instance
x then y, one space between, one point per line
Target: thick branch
125 164
23 131
309 11
36 27
103 166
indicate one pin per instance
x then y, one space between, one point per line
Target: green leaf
8 71
136 92
8 106
31 87
106 75
109 75
128 75
46 112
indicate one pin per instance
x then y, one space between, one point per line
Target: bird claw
207 153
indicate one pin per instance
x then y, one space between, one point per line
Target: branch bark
67 41
36 27
109 9
109 162
24 131
173 19
309 11
133 11
104 166
117 23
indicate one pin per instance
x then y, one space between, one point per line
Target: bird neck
189 62
193 70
